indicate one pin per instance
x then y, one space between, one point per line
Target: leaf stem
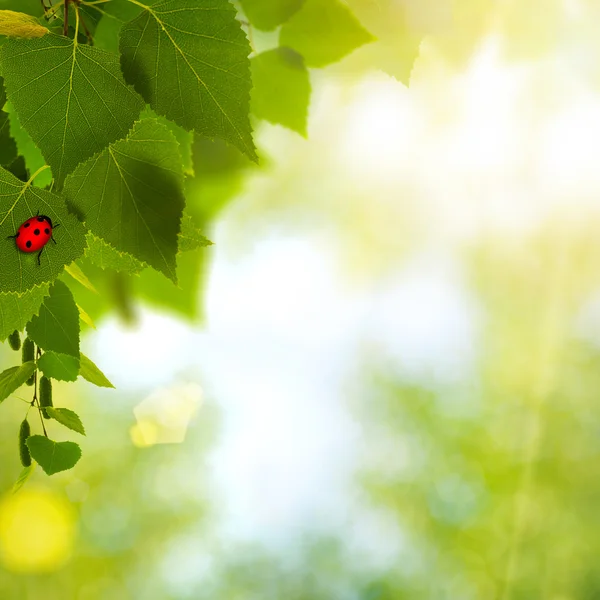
22 400
141 5
76 25
88 34
66 19
30 181
35 400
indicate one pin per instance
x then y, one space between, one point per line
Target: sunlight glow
458 159
163 417
37 531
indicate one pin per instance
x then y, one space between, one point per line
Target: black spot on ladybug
41 219
18 232
26 224
36 232
28 244
46 231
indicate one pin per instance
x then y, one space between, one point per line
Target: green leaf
23 477
115 14
28 150
8 147
190 237
52 456
268 14
16 310
106 257
323 32
18 168
281 90
56 328
184 137
131 195
93 374
220 172
90 16
20 201
30 7
185 140
12 379
62 367
190 63
181 299
74 270
68 418
398 36
71 98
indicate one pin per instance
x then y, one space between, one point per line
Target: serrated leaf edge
37 313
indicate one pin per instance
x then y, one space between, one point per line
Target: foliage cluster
110 110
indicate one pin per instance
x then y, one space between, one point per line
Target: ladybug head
44 218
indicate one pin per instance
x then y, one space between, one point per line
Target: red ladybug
34 234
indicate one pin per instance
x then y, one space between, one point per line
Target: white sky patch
281 328
425 322
146 356
382 132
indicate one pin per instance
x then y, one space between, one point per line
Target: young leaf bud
45 395
27 354
28 350
24 433
14 340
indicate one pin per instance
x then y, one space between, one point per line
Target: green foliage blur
474 477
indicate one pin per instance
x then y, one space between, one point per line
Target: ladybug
34 234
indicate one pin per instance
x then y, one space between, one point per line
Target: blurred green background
381 382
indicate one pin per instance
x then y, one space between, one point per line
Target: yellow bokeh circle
37 531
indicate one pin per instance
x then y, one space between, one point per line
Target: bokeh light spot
163 417
37 531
